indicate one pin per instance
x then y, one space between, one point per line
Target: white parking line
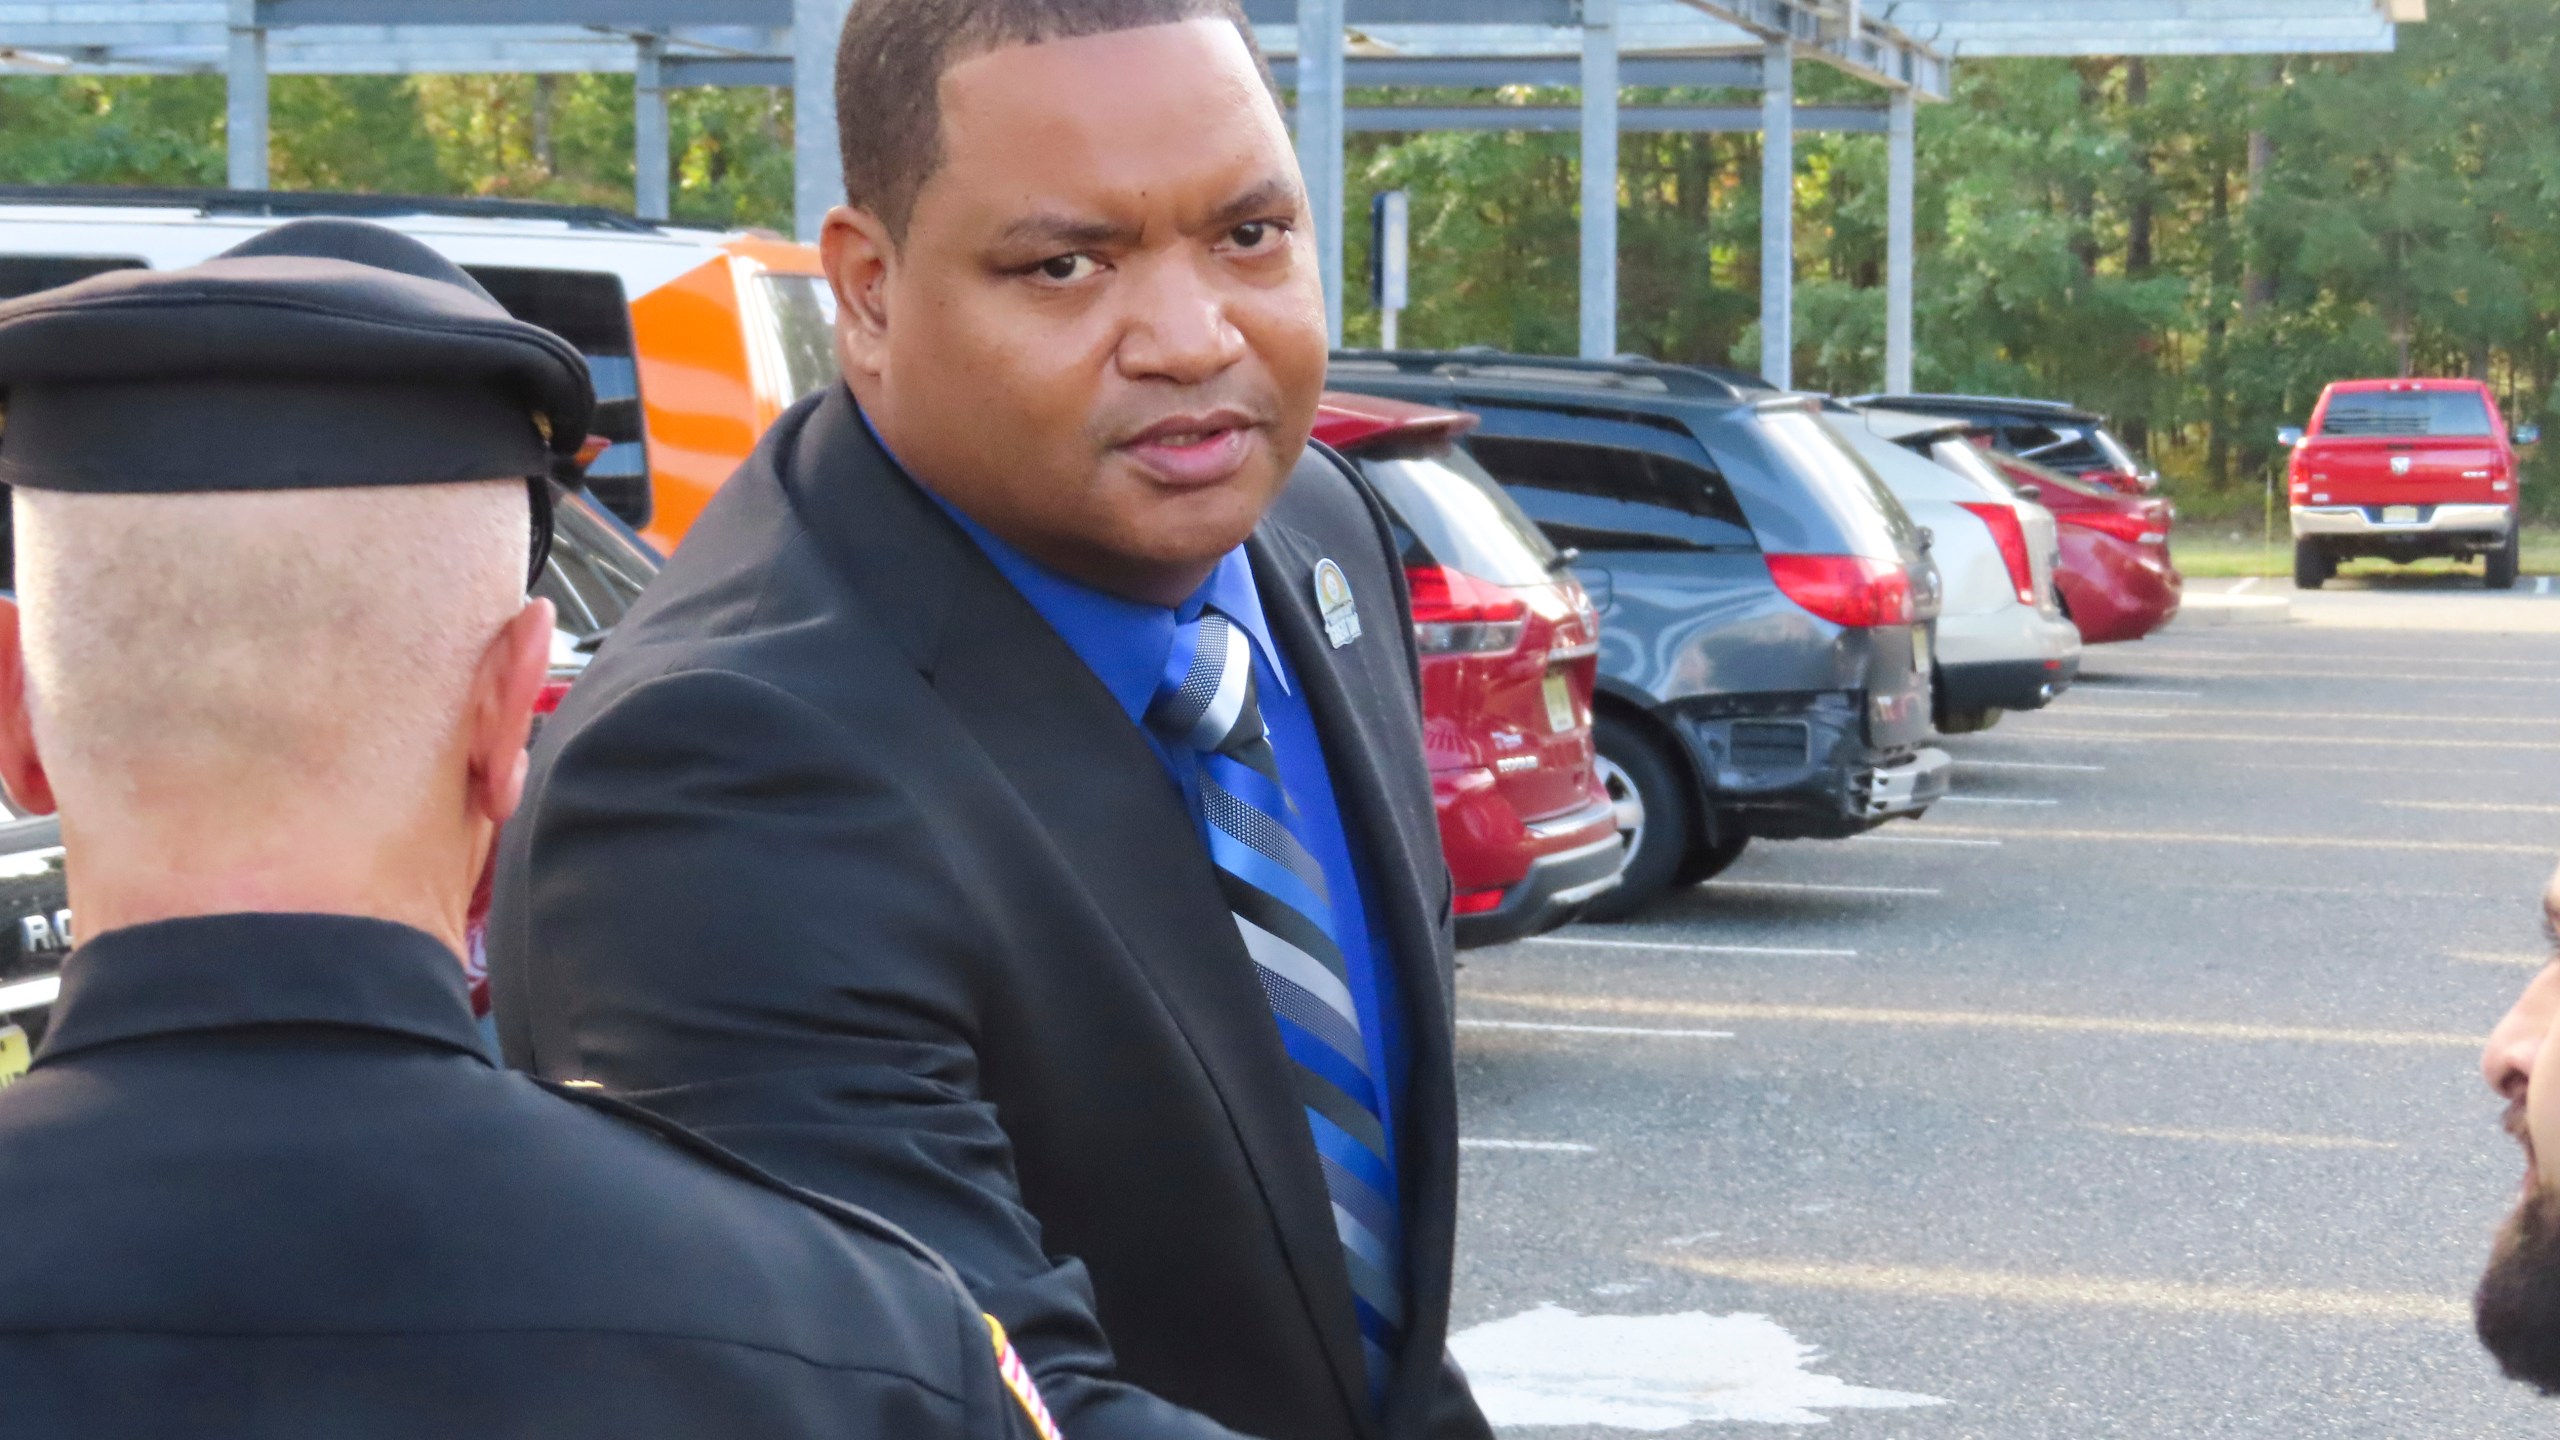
1923 840
2137 690
1992 800
2032 765
1696 949
2244 587
1791 886
1656 1032
1544 1147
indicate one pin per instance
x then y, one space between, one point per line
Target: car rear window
1458 516
1605 497
588 309
804 324
2462 413
1871 521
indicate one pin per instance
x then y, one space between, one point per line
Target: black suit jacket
842 856
265 1181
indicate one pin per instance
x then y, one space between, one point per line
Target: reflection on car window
1458 516
1600 498
595 572
2462 413
587 308
804 320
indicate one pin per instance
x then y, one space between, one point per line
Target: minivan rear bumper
2487 521
1805 774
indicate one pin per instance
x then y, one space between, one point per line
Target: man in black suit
1008 809
277 667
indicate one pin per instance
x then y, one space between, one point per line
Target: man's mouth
1193 451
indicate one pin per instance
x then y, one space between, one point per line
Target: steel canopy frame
1905 47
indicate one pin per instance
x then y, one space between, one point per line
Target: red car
2405 469
2116 578
1510 654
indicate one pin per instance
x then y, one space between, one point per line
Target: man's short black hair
894 53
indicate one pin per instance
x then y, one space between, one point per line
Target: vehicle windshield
596 570
804 324
1461 516
2461 413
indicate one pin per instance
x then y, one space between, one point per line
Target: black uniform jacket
263 1181
842 856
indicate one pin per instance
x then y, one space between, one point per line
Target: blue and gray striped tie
1207 703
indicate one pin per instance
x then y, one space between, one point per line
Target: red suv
1510 653
2405 469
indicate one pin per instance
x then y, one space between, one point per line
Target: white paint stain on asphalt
1551 1366
1542 1147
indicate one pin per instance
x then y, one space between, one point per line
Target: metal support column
649 158
1902 158
1599 179
1320 140
245 106
817 167
1778 215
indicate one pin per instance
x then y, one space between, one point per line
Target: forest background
2191 246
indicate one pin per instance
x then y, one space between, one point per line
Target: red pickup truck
2405 469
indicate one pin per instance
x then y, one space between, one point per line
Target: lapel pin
1333 598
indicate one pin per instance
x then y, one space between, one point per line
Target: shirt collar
1126 643
222 972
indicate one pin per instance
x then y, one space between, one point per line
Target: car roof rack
1631 372
296 204
2055 409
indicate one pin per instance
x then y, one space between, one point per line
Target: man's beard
2517 1308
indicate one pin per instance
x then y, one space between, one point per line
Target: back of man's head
894 53
272 690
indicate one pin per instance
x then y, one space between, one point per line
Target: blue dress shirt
1126 644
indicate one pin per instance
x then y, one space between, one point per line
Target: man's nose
1181 330
2506 1062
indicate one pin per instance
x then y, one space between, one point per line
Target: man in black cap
276 667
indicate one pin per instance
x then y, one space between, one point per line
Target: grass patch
2210 551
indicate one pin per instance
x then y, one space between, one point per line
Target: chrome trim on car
2437 520
44 989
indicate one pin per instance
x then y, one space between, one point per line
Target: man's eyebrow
1065 232
1275 193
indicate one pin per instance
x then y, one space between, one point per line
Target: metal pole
245 103
1320 140
1901 161
649 159
817 169
1599 179
1778 214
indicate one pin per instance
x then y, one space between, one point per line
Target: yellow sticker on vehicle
1017 1378
1561 715
15 1055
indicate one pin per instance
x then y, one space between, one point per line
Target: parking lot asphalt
2133 1092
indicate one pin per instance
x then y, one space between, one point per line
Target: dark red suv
1510 653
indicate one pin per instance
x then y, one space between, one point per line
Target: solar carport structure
1904 48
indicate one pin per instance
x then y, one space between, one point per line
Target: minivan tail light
2011 537
1849 590
2137 528
1455 613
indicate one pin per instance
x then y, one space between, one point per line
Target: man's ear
509 684
21 769
858 255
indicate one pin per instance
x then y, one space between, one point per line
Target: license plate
1920 649
1561 715
14 1055
2399 514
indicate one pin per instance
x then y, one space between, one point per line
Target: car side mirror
2528 434
2290 437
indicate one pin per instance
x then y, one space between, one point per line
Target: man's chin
2517 1307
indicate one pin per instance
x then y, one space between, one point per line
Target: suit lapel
1384 807
1110 814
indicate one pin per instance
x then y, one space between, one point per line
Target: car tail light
2140 529
2011 537
1849 590
554 690
1455 613
1477 902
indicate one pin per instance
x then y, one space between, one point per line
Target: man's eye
1254 234
1066 268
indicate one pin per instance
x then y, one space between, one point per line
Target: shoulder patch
1017 1378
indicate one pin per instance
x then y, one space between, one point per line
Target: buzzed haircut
894 53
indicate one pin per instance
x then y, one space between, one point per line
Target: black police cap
321 354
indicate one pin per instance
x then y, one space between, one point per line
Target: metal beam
1424 12
1901 160
1868 48
615 14
684 70
817 173
650 160
245 99
1599 179
1632 119
1778 216
1320 140
1704 72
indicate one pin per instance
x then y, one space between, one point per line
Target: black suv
1766 604
2052 434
